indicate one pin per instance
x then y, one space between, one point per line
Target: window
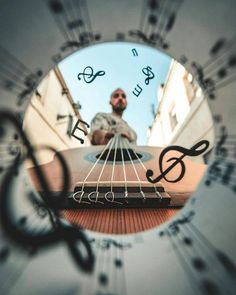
190 86
70 125
173 117
41 90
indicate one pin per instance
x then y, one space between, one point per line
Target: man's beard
119 107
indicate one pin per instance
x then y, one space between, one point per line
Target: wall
192 115
51 115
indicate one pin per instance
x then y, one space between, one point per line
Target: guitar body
119 212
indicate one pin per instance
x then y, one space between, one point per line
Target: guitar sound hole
128 154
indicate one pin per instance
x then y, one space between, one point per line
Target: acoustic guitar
109 191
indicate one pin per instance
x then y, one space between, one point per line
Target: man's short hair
115 91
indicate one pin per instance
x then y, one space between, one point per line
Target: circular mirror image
134 128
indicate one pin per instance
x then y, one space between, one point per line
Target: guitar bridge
119 194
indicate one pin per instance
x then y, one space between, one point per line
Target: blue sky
123 70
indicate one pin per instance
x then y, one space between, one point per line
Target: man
104 126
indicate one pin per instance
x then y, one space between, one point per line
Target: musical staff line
156 21
16 77
198 255
220 70
73 21
223 168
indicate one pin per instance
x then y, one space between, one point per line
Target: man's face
118 100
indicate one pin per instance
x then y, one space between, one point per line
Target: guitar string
135 171
143 166
103 167
91 170
123 165
112 174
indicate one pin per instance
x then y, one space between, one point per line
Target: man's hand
126 134
101 137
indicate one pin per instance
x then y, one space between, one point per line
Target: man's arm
99 135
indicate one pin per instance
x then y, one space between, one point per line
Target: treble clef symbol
193 152
32 237
88 74
148 72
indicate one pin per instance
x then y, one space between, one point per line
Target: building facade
51 115
183 116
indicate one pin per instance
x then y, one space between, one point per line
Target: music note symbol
149 73
76 127
31 237
135 53
88 74
220 148
193 152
